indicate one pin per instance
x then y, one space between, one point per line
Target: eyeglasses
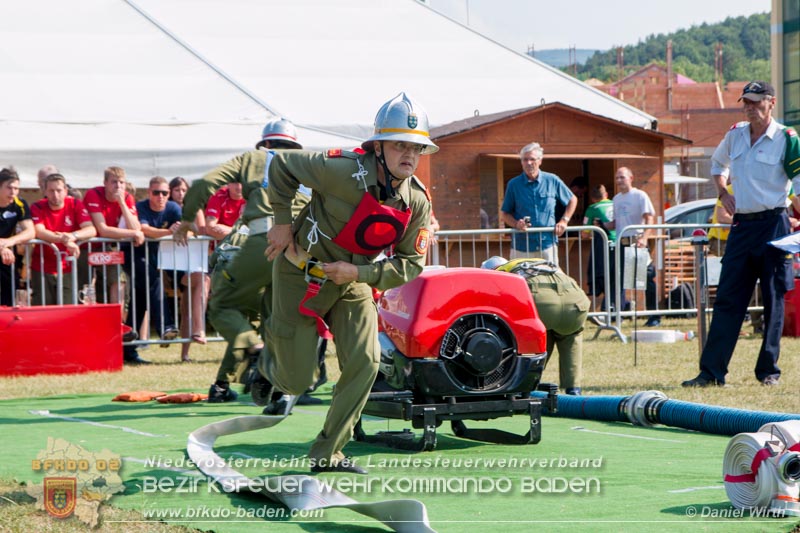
160 193
402 146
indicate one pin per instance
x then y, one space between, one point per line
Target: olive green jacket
338 180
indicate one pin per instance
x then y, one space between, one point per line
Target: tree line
745 52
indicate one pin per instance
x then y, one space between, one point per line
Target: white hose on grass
294 491
761 470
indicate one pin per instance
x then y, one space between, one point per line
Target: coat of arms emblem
59 495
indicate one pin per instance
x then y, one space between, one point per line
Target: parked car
695 212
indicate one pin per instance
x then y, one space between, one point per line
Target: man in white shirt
760 158
632 206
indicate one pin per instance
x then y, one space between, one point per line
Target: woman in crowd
197 281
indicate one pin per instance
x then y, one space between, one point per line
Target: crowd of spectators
170 302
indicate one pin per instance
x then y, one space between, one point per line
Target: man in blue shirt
158 216
530 201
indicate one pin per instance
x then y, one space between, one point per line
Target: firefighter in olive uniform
242 276
562 306
363 204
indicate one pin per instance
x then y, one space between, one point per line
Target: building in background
479 154
785 24
699 111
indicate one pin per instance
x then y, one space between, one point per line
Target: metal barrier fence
108 272
584 253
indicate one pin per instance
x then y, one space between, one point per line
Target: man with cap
365 227
242 277
762 160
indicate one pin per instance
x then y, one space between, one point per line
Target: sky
593 24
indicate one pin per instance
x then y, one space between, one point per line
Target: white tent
93 83
174 87
332 63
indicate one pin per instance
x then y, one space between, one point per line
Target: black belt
760 215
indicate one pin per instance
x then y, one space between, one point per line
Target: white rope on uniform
361 174
294 491
761 470
314 232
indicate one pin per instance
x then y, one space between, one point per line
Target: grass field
642 468
608 368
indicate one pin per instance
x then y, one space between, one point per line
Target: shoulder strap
20 204
338 152
416 181
791 159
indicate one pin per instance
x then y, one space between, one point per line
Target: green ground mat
582 476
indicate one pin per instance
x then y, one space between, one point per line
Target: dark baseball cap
758 90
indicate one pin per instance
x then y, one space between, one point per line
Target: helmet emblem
412 120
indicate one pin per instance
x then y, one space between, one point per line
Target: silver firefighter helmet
280 129
402 119
493 262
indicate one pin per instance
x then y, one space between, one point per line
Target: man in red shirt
63 221
113 212
223 210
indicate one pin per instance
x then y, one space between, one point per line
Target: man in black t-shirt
16 227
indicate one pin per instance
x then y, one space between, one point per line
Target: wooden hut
480 154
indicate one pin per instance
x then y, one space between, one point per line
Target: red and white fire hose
762 470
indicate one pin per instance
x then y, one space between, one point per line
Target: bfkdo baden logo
76 481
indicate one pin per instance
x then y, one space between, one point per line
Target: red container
416 315
791 312
69 339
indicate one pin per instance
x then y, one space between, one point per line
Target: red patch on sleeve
360 151
423 239
335 152
791 132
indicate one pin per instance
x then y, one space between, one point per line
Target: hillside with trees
745 52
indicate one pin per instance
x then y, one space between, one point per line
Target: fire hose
762 469
297 492
648 408
761 463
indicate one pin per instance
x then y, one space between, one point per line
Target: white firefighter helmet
493 262
280 129
402 119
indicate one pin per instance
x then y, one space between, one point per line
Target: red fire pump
459 344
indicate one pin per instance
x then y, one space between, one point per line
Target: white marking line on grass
45 412
579 428
694 489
